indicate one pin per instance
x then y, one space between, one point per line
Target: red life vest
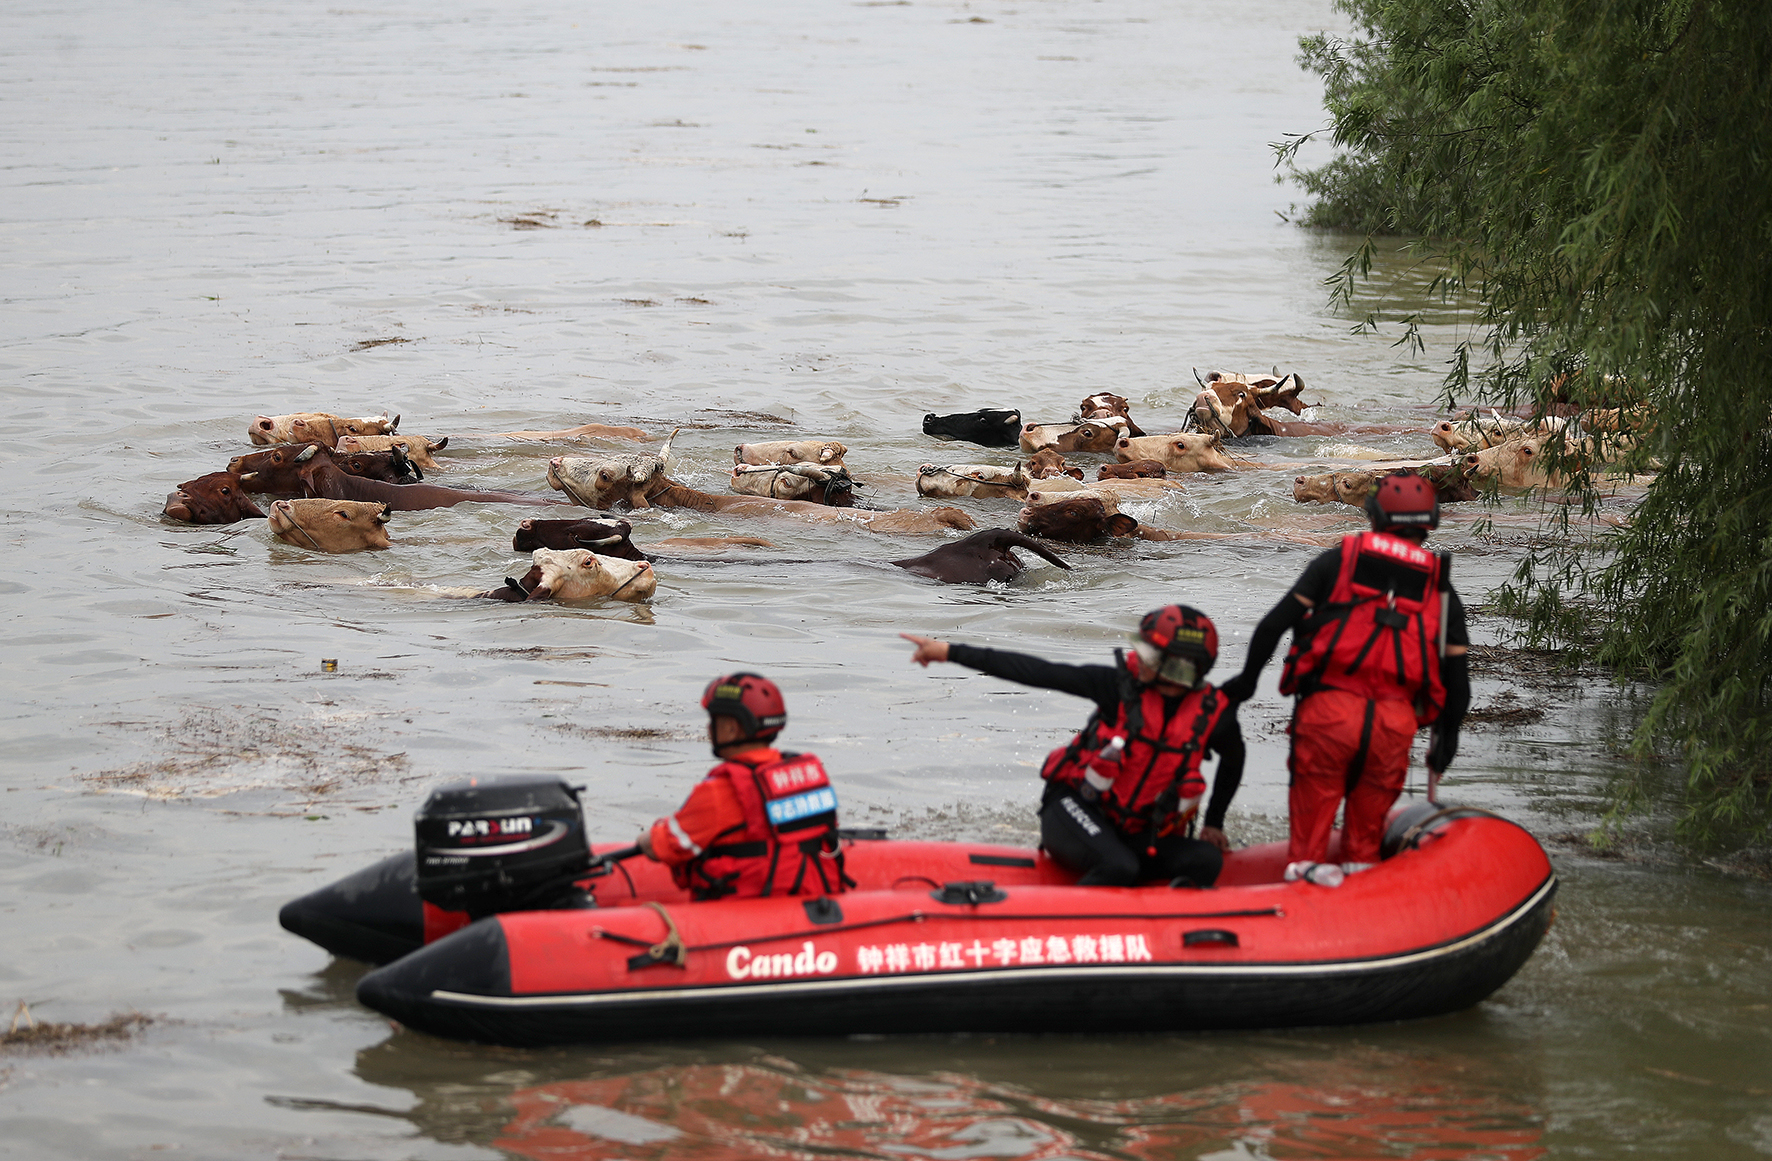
787 844
1378 634
1165 745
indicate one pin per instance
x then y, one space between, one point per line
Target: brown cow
330 525
218 498
1513 467
791 451
583 431
1352 487
277 472
815 483
1270 390
417 448
1076 519
607 481
323 478
579 574
318 426
1092 436
1181 452
667 493
1049 462
1105 406
1135 470
983 556
604 537
981 480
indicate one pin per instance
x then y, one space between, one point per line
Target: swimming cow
303 426
330 525
218 498
987 427
983 556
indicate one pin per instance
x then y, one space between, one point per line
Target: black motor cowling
490 845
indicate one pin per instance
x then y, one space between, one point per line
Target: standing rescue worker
1378 651
1121 796
763 822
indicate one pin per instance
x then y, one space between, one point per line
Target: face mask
1183 671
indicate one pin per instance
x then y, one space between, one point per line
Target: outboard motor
509 844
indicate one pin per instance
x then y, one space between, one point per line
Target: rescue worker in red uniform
763 822
1121 797
1378 651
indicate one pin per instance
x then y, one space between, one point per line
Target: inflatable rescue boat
508 928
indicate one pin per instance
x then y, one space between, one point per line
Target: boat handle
1209 937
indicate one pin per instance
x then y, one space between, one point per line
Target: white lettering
868 959
1136 948
738 962
825 963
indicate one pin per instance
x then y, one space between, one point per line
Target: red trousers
1344 746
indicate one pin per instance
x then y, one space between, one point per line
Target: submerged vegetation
1595 175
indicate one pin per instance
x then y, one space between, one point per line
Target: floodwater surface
744 221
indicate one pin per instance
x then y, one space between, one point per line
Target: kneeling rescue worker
1378 651
1121 796
763 822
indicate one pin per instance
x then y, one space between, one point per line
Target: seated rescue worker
1378 651
763 822
1121 796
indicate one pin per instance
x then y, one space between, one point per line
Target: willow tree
1598 175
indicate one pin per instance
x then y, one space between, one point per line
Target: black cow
985 427
983 556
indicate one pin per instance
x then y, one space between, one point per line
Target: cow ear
1120 524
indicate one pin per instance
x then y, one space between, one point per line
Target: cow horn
307 453
394 426
664 453
386 513
439 444
607 540
249 476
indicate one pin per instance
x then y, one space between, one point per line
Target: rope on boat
672 950
1412 836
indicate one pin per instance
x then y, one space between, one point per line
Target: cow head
1135 470
1091 436
330 525
217 498
578 574
1049 462
1185 451
604 537
1077 519
417 448
614 481
319 426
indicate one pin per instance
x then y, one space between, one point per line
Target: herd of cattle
334 482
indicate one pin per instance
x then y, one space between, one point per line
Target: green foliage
1597 175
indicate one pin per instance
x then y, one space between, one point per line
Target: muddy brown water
750 221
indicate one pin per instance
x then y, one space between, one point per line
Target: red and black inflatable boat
943 937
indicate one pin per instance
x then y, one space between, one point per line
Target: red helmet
752 700
1179 642
1403 500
